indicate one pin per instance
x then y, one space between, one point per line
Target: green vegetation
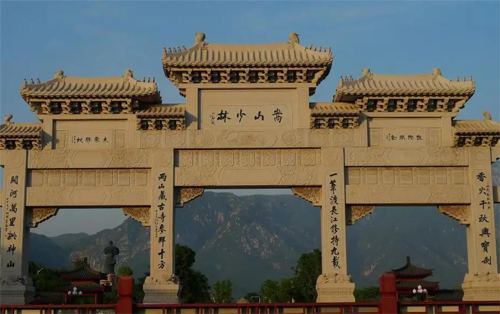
223 291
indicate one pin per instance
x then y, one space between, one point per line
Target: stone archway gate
247 122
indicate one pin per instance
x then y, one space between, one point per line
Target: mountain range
249 239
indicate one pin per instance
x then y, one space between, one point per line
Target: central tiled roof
63 86
411 270
371 84
286 54
413 284
83 272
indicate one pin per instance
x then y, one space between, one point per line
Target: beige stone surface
247 121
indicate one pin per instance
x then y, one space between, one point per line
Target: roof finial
470 78
487 115
365 72
436 71
200 38
32 82
184 47
294 38
164 53
59 74
7 119
408 260
457 79
38 80
129 73
463 80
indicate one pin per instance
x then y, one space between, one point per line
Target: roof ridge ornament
7 119
294 38
200 38
59 75
437 72
365 72
487 115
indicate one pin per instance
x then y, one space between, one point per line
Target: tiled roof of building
62 86
84 272
24 130
178 110
477 126
83 286
434 84
286 54
411 270
413 284
49 298
325 109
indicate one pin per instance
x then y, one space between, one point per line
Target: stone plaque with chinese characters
404 137
89 140
247 116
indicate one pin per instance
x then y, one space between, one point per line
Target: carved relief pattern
188 194
425 156
50 158
355 212
310 194
40 214
408 175
140 214
88 177
333 278
460 213
390 194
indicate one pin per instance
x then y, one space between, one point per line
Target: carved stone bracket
310 194
184 195
141 214
460 213
40 214
355 212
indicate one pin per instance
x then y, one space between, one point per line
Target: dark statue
110 251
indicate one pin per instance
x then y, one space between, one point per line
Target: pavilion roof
413 284
410 270
285 54
485 126
84 272
20 130
371 84
325 109
72 87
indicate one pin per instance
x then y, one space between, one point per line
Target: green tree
286 290
367 294
306 273
195 287
79 262
223 291
45 279
124 271
269 291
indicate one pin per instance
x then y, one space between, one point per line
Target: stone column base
16 290
334 288
481 287
161 290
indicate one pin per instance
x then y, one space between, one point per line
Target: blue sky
104 38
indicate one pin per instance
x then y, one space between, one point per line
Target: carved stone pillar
162 286
15 285
334 284
482 282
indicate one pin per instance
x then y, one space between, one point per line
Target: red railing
388 304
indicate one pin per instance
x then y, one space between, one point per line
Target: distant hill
252 238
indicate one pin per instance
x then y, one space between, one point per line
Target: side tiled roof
49 298
434 84
18 130
85 87
448 295
476 127
413 284
284 54
82 286
319 109
177 110
411 270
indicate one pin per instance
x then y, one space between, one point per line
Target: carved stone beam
460 213
141 214
356 212
40 214
184 195
310 194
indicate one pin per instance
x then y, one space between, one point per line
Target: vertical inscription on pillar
334 222
484 220
11 221
160 218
